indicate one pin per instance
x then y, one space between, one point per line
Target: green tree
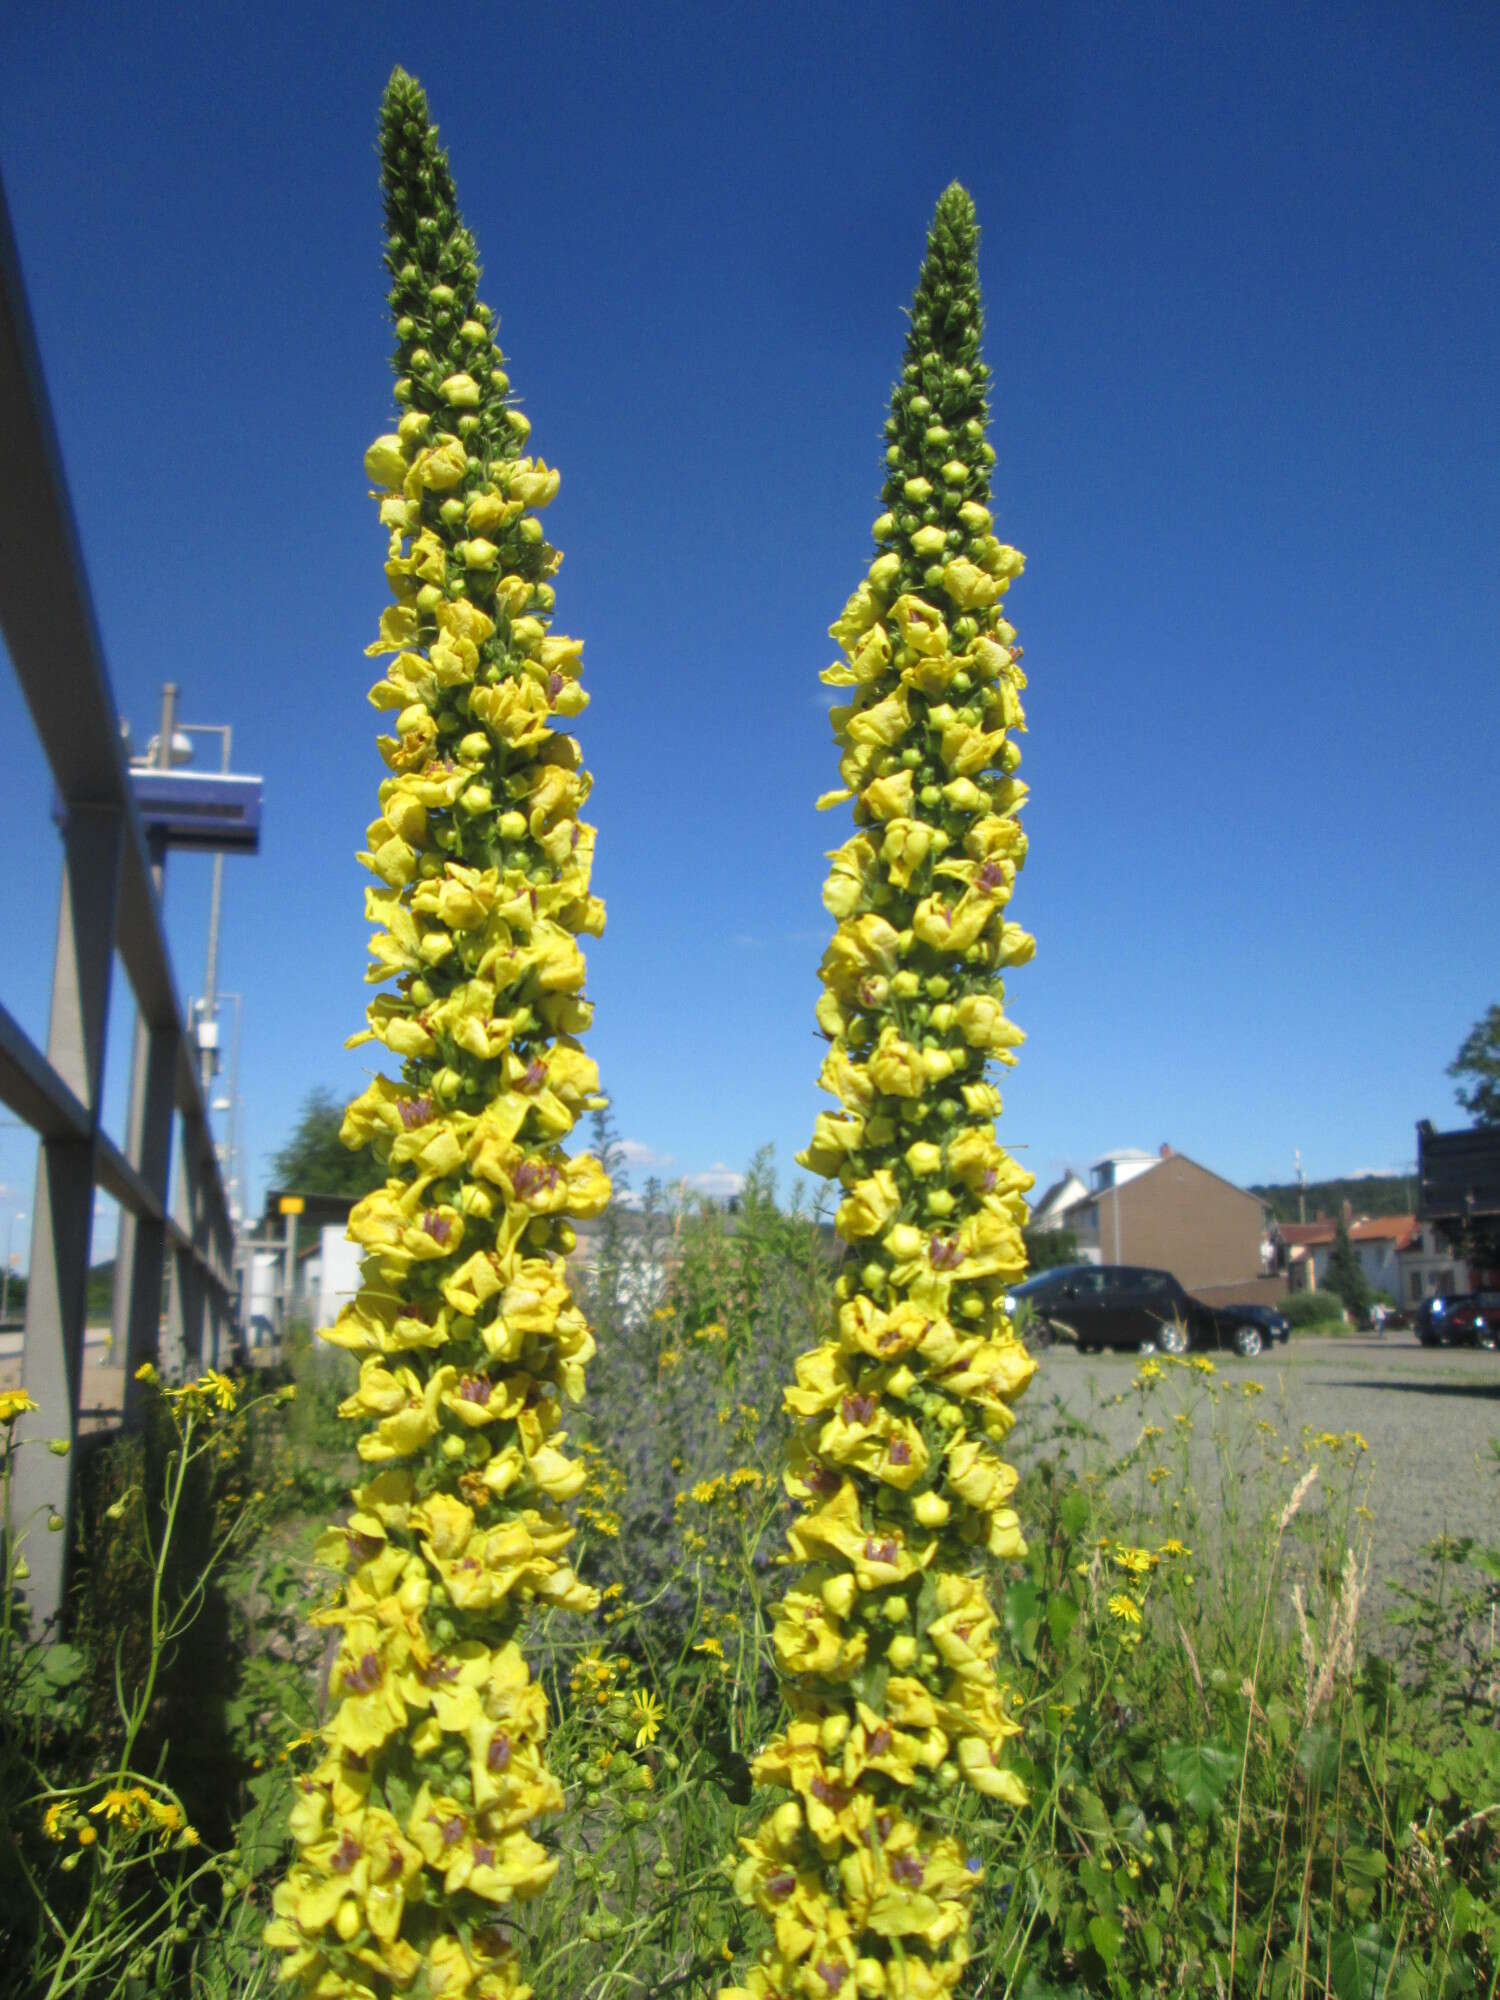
1346 1275
315 1160
1049 1249
1479 1058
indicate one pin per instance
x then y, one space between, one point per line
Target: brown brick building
1165 1211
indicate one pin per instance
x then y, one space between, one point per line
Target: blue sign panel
203 809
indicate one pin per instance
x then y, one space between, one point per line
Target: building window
1415 1285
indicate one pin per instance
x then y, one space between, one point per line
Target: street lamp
182 734
10 1237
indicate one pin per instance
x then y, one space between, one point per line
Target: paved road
1430 1417
103 1379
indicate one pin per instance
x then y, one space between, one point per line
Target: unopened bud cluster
887 1642
415 1828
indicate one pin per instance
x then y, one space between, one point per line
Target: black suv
1125 1305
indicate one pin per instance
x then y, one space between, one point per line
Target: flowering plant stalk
886 1642
106 1877
413 1831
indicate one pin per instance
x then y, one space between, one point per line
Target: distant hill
1370 1194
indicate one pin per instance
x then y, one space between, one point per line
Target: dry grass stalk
1338 1645
1293 1506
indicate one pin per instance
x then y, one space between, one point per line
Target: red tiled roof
1399 1229
1298 1233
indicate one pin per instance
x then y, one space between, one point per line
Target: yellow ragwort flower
647 1712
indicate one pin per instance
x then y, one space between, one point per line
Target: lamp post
181 752
10 1236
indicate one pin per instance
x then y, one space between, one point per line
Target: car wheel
1174 1337
1248 1341
1146 1347
1488 1336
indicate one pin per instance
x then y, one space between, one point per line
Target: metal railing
109 903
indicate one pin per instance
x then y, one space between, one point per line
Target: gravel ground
1428 1416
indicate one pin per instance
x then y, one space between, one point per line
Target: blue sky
1238 266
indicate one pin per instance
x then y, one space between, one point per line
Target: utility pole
1301 1187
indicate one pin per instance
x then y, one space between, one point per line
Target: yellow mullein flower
900 1499
468 1338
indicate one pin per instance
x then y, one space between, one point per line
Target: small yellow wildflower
1125 1609
611 1590
1203 1365
86 1836
128 1806
53 1820
1138 1561
1153 1431
1172 1547
647 1711
215 1387
711 1646
147 1372
1182 1417
1252 1389
166 1813
14 1403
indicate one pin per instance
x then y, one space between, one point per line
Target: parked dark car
1468 1319
1128 1305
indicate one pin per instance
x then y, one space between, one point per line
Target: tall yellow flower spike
887 1643
413 1831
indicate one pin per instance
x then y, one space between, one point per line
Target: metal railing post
140 1269
63 1213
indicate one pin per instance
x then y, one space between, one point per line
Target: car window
1039 1286
1154 1282
1089 1284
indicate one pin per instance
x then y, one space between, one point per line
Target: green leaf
1362 1868
1279 1721
1202 1773
1074 1512
62 1666
729 1770
1318 1754
1091 1814
1062 1616
1363 1965
1021 1613
1106 1937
